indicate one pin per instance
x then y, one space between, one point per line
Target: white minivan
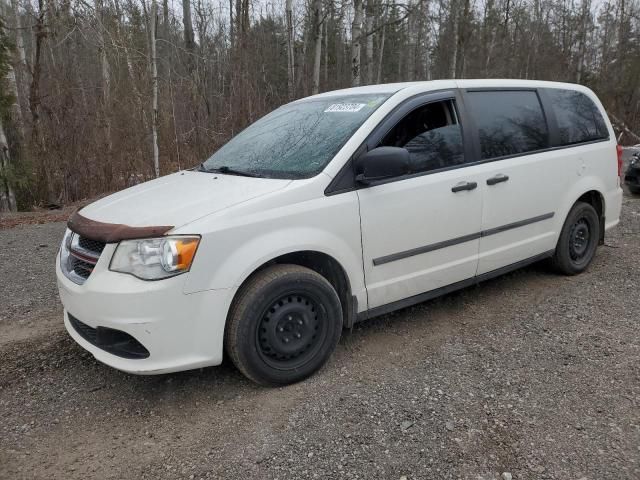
334 209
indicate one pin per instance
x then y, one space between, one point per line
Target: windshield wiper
227 171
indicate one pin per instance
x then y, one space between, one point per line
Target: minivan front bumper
111 312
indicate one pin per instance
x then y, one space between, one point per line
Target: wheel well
595 199
331 270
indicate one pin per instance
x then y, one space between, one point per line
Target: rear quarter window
578 118
509 122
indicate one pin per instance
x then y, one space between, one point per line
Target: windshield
297 140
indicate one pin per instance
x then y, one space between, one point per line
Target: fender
579 188
229 254
252 255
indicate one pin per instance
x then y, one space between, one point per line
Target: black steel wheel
291 330
284 324
578 240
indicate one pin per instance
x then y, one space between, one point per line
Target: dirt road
533 374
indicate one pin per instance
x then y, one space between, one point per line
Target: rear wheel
284 324
578 240
635 190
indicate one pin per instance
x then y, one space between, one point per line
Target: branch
386 24
621 126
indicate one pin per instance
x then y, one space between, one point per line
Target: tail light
619 152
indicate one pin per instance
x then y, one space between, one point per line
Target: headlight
155 258
65 246
66 241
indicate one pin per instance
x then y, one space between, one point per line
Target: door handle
499 178
459 187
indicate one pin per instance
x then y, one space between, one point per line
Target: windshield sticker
345 107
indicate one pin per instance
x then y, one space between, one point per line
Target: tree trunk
189 41
302 68
586 8
19 35
462 30
34 88
356 29
622 36
106 80
7 195
317 48
425 34
8 199
15 111
381 46
291 59
326 55
165 18
368 46
455 27
23 74
39 147
154 86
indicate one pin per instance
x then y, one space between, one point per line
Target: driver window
431 134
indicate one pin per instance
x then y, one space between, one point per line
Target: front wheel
283 325
578 240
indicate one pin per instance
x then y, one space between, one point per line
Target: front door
421 232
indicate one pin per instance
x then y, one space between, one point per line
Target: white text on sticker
345 107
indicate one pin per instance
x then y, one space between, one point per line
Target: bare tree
154 86
455 27
14 111
291 59
106 78
381 51
317 48
463 26
189 39
36 70
369 43
7 195
356 39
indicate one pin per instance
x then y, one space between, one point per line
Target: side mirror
382 163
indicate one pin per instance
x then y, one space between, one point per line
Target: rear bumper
613 207
179 331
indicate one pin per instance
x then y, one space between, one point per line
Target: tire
578 240
635 190
284 324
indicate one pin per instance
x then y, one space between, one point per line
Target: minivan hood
179 198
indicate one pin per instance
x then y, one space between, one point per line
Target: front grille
80 267
110 340
81 257
91 245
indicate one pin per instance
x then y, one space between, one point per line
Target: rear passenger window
509 122
578 118
432 135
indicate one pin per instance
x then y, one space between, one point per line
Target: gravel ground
27 266
533 374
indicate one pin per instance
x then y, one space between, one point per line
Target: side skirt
438 292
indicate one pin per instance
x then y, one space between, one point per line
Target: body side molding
455 241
